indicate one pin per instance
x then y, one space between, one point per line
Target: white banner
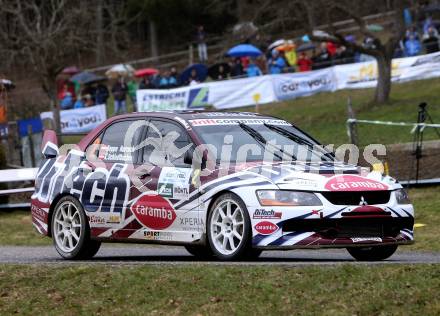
291 86
81 120
235 93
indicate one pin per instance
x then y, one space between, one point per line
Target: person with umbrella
201 44
304 62
119 91
146 83
101 93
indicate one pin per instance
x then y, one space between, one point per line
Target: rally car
224 185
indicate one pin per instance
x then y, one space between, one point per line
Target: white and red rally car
228 185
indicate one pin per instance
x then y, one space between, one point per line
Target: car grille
355 197
350 227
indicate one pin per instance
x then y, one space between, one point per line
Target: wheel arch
52 208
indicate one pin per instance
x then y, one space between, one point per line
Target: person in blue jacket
412 46
252 69
276 63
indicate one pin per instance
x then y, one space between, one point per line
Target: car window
166 144
119 141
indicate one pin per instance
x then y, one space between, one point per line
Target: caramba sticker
354 183
266 228
174 182
153 211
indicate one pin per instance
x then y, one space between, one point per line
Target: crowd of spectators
274 61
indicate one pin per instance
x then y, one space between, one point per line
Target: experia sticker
153 211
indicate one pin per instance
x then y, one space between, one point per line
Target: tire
229 228
71 232
373 253
200 251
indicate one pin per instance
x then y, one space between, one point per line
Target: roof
192 114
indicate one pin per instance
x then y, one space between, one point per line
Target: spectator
132 88
412 46
431 40
252 69
322 60
427 24
193 78
89 89
367 43
291 56
102 94
80 103
276 63
66 98
331 49
237 68
146 83
222 75
304 62
175 75
167 81
201 44
411 32
88 100
119 92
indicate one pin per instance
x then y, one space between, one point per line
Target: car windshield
246 140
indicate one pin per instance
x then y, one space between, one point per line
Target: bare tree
384 46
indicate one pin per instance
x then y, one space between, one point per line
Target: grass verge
324 115
213 290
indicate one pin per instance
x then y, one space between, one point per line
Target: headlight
402 196
287 198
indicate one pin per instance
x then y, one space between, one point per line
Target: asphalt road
155 255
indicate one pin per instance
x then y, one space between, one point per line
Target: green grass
16 227
215 290
324 115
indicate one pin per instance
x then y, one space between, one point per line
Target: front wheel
229 228
373 253
71 232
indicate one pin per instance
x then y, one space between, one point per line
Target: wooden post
190 54
31 145
351 126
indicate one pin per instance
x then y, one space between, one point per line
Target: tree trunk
383 88
153 39
99 33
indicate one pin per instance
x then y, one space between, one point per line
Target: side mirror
49 145
188 157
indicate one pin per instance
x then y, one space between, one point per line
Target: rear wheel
71 232
373 253
229 228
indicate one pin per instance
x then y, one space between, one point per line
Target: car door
107 187
170 177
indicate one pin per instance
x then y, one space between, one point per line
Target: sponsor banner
291 86
364 75
153 211
81 120
266 228
172 99
228 94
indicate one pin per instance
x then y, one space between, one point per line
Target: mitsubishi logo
363 202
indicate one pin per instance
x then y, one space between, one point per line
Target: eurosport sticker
261 213
211 122
153 211
354 183
173 182
158 235
266 228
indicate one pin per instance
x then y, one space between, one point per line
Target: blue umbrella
244 50
201 72
86 77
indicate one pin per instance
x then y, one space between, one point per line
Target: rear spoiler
49 145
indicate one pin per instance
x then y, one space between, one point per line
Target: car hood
324 176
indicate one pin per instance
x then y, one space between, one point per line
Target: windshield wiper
298 139
258 137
